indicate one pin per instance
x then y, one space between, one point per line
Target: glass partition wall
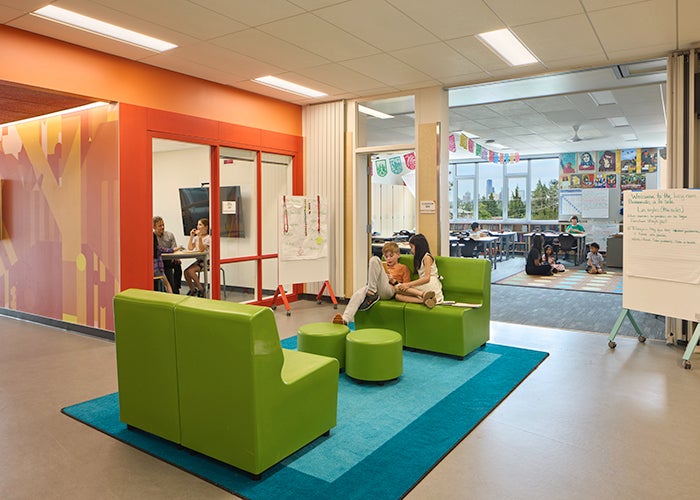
244 232
249 257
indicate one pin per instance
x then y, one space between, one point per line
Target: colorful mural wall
59 248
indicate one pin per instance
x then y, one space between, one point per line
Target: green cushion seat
326 339
374 354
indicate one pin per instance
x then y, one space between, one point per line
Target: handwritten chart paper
304 228
662 235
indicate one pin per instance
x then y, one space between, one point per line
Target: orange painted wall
152 102
47 63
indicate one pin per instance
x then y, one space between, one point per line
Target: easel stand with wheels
327 283
625 313
279 291
691 346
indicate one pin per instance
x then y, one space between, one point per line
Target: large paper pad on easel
303 239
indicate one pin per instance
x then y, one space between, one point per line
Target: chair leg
223 276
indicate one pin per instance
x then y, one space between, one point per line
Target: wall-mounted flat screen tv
194 203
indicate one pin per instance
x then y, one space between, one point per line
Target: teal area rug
388 437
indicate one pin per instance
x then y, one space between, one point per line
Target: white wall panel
323 129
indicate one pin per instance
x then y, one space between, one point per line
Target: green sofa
445 329
232 392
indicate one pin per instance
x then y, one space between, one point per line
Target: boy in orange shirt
382 279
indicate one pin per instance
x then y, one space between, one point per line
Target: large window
526 190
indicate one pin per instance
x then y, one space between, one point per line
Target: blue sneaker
369 301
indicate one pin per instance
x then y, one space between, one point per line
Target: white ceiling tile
688 15
519 13
321 37
342 77
591 5
249 12
386 69
497 122
646 24
550 39
8 13
265 47
550 103
468 79
179 15
449 19
436 59
171 62
377 23
478 53
510 108
219 57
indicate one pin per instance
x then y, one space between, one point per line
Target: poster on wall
304 228
569 202
595 203
586 161
567 162
628 161
607 161
649 160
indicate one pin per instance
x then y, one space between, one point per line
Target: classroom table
186 254
506 241
487 246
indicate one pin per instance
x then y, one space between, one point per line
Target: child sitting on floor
549 258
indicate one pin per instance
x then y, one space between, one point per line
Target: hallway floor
590 422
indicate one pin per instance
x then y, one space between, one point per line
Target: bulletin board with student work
303 240
661 258
591 183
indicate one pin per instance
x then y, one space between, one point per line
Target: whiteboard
595 203
302 243
661 256
569 202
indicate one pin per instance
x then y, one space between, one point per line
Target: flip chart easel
625 313
661 258
302 246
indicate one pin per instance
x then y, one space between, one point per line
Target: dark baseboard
56 323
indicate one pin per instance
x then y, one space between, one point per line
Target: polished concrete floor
589 423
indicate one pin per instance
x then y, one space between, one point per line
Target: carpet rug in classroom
387 437
571 279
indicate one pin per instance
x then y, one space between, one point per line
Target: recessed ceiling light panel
504 43
294 88
75 20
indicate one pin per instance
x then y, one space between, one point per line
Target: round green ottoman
374 354
326 339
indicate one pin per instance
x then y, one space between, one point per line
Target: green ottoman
326 339
374 354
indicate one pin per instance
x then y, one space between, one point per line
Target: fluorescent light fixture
278 83
372 112
507 46
496 145
55 113
618 121
75 20
603 97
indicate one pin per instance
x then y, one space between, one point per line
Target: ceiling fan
575 137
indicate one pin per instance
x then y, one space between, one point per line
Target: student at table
158 264
199 241
476 231
535 264
574 227
172 267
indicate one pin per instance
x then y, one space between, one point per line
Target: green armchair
144 332
243 399
212 376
